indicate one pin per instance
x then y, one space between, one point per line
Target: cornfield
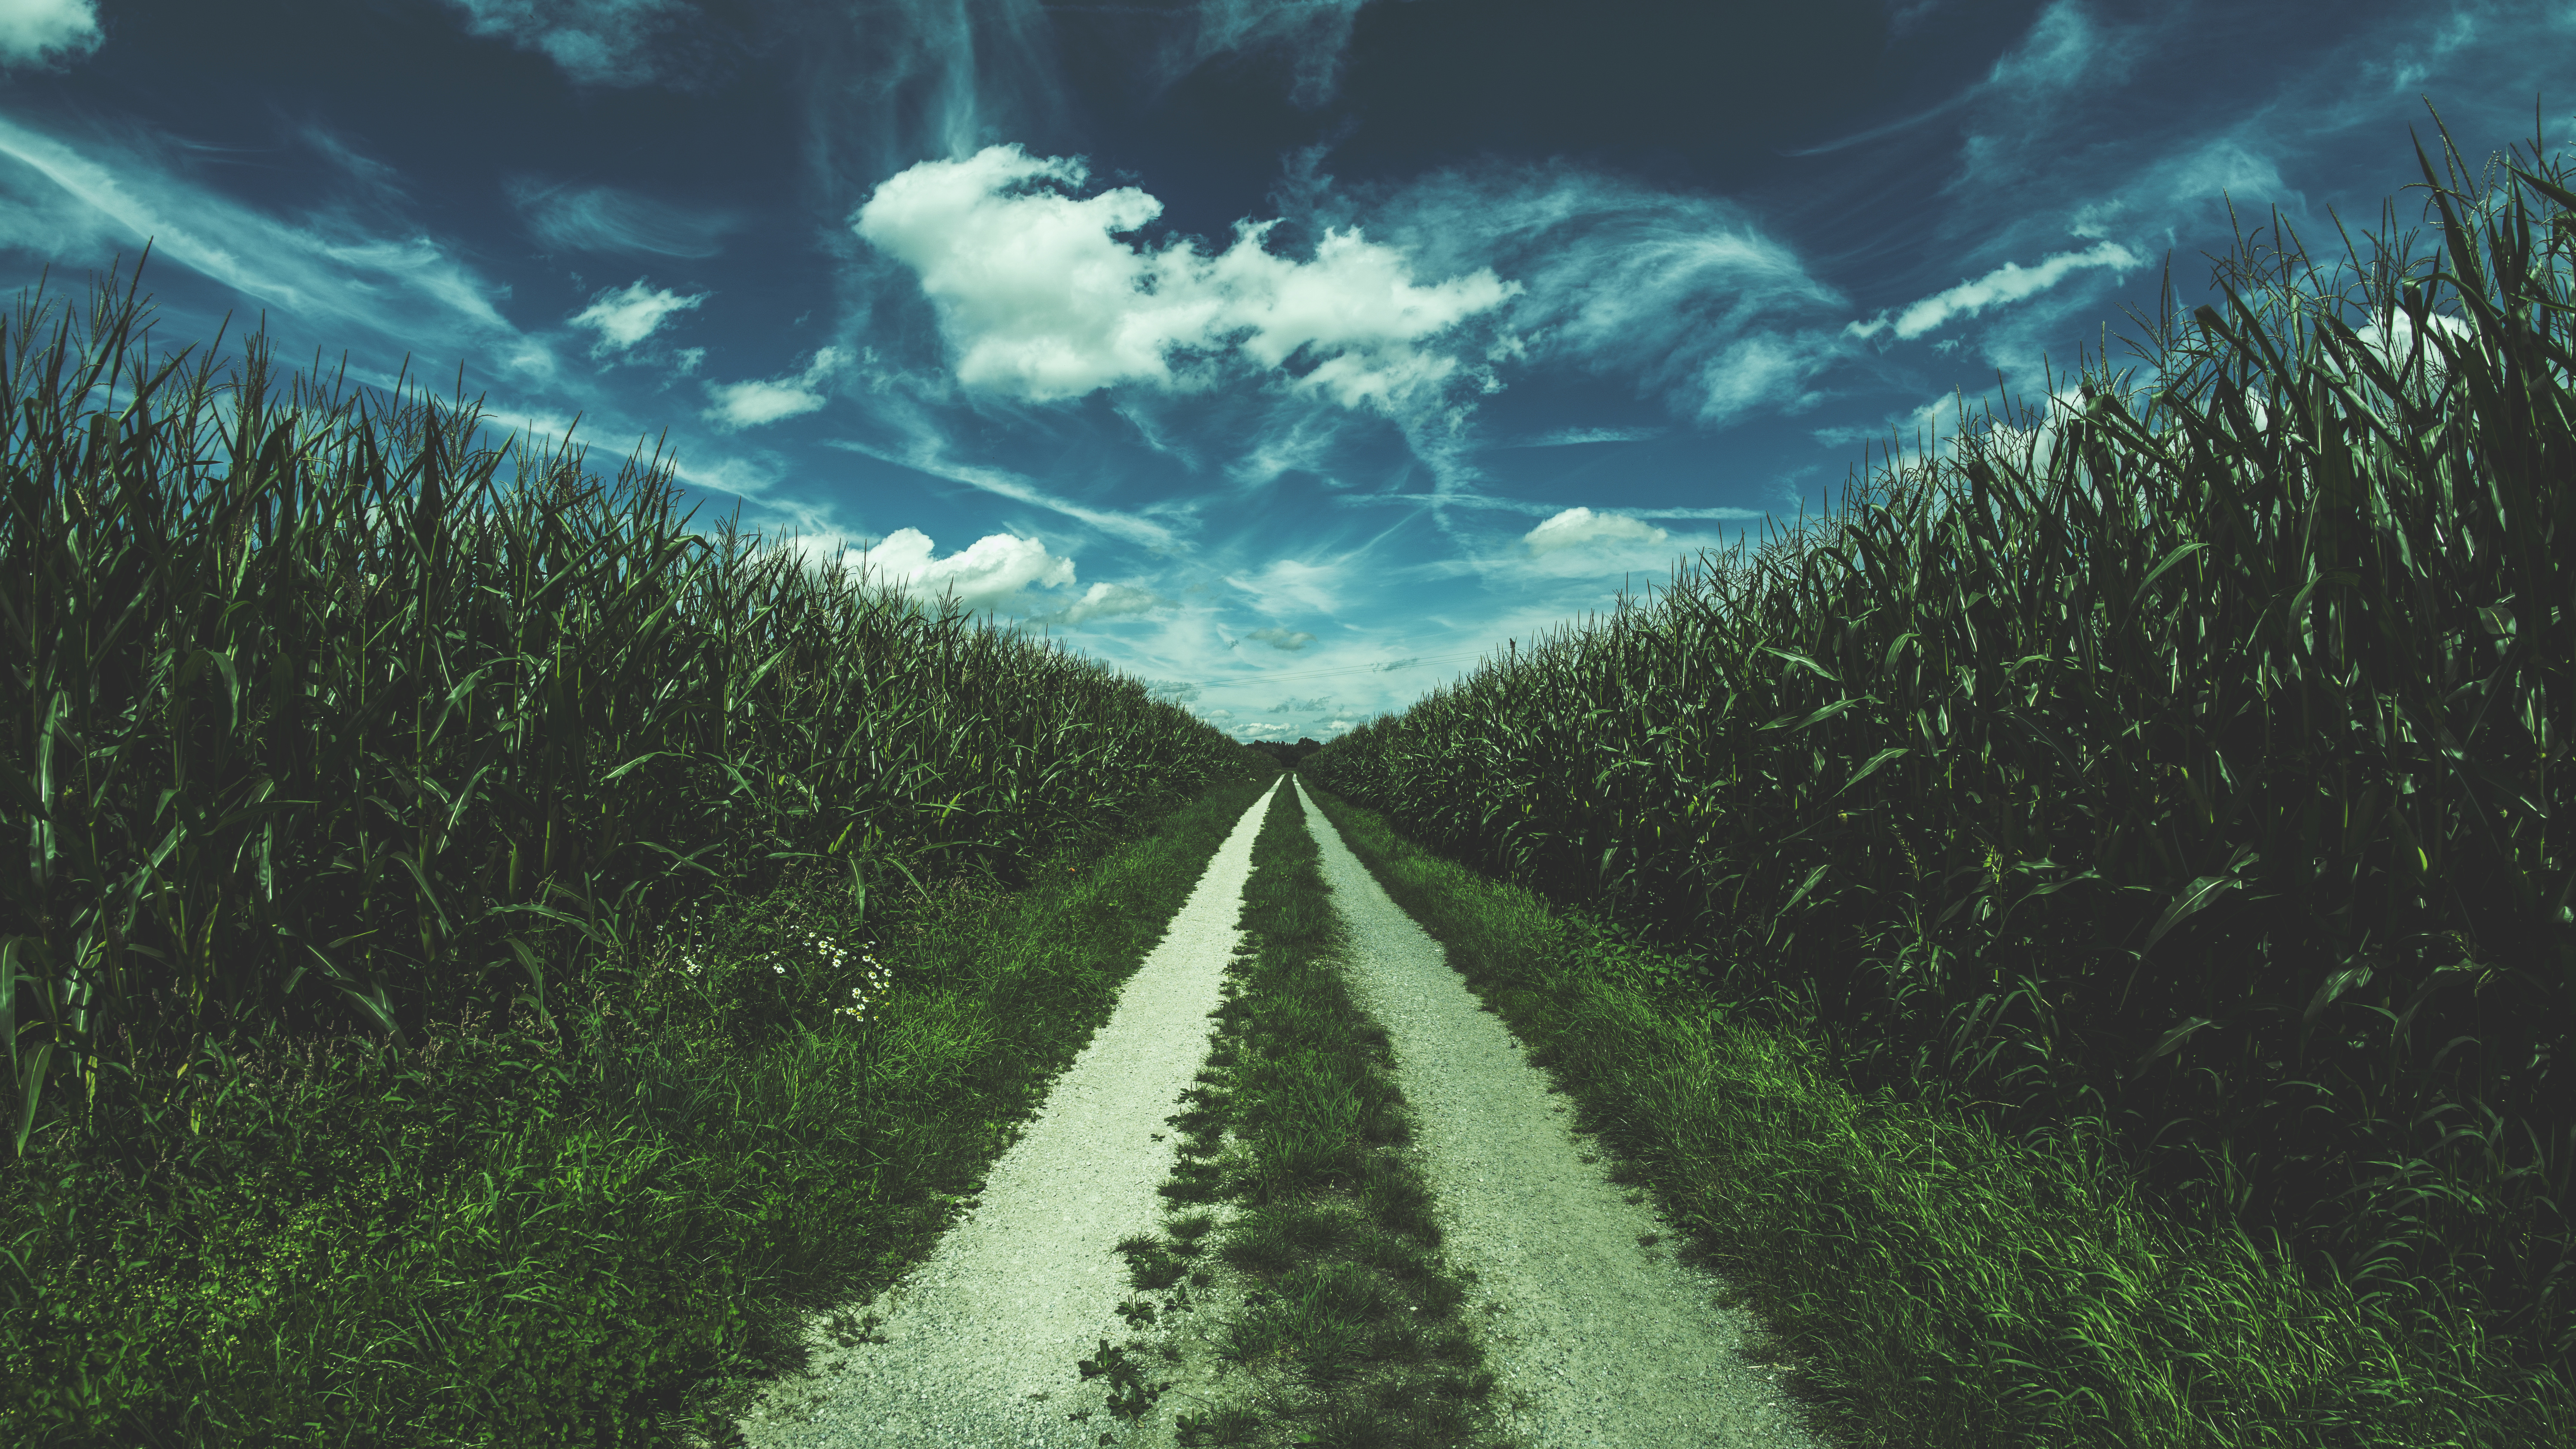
2199 771
306 726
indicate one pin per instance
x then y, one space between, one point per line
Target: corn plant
2199 769
309 723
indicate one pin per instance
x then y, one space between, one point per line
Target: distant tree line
1289 756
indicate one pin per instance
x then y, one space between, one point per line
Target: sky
1289 357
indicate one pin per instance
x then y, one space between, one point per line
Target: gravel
980 1339
1593 1339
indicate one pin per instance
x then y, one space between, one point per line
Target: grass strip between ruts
1352 1334
604 1229
1925 1283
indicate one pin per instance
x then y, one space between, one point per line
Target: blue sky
1290 357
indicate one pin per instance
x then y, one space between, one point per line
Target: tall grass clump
377 1072
2190 770
306 725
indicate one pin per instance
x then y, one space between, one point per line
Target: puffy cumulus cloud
749 404
990 573
608 219
1045 294
2407 354
1101 601
1316 705
41 32
2010 282
1582 528
1173 691
1579 543
1290 640
623 319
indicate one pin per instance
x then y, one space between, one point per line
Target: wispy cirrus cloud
1685 296
2010 282
929 451
594 42
1577 437
739 405
1313 33
115 193
614 220
1103 601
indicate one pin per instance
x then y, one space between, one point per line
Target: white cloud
1571 437
1764 368
38 32
1580 544
1658 288
751 404
2063 50
1042 299
1583 528
1313 32
595 42
626 318
990 573
2034 448
608 219
1288 584
88 202
1101 601
1287 639
2010 282
2403 352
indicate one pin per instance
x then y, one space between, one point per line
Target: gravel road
981 1338
1593 1339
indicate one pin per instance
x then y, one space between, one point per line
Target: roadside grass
1352 1335
603 1227
1926 1283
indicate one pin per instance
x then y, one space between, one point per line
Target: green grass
1352 1335
483 962
2186 780
607 1230
1936 1286
314 725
